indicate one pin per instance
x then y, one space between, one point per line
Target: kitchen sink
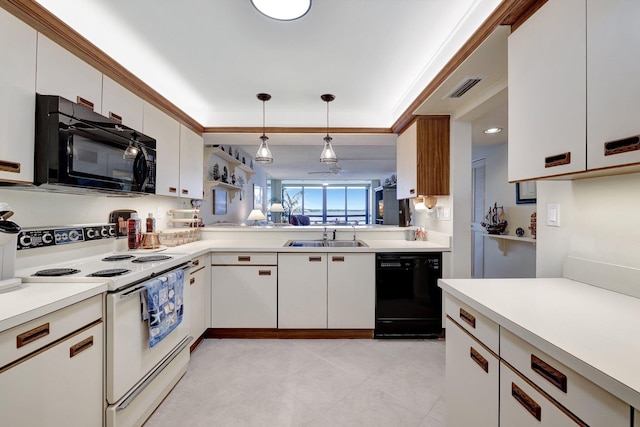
326 243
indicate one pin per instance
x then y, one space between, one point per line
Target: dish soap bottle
151 223
133 231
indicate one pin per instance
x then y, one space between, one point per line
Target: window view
334 203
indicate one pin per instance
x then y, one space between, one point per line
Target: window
334 203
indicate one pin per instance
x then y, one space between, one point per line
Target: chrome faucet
324 235
334 234
354 232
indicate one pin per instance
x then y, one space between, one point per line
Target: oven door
129 358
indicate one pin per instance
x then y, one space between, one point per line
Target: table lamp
255 216
277 208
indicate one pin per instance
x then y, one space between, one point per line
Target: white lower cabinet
199 296
61 385
522 405
351 291
244 289
302 291
472 377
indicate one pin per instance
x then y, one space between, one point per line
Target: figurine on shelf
233 178
496 222
215 174
243 161
231 151
225 175
251 165
237 154
221 147
532 227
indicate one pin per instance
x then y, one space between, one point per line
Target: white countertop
32 300
594 331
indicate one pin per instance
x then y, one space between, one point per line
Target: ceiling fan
333 170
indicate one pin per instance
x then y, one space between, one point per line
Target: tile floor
234 382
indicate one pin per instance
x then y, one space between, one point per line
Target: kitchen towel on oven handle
162 305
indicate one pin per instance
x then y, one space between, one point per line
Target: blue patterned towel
164 305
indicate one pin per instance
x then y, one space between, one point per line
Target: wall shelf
504 239
233 162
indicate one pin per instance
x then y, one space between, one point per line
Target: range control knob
91 233
25 240
104 232
47 238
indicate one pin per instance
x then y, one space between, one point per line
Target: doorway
478 170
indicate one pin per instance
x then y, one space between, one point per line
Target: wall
598 221
518 259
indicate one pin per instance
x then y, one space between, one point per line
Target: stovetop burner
152 258
117 257
109 273
56 272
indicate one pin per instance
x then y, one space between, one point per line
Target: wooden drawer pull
6 166
114 116
549 373
192 280
264 272
412 191
195 262
32 335
83 345
173 190
557 160
315 259
185 191
337 258
244 258
529 404
468 317
477 357
622 145
85 102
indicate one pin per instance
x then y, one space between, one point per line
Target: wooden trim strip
304 130
499 16
257 333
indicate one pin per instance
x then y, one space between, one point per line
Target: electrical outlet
439 213
159 212
446 214
553 215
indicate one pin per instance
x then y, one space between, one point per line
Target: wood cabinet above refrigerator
423 158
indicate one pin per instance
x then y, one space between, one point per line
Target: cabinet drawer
478 325
30 336
244 259
523 405
589 402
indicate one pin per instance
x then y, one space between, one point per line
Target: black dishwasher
408 299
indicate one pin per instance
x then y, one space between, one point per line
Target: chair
299 220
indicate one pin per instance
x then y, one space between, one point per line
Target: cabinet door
472 374
17 100
200 296
60 386
525 406
613 66
302 291
120 103
191 164
351 291
407 163
64 74
244 296
166 131
547 92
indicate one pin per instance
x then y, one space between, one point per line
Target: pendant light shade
328 156
264 155
282 10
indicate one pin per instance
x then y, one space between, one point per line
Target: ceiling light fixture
264 154
492 130
282 10
328 156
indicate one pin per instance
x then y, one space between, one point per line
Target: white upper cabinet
62 73
166 132
191 164
407 163
573 70
17 98
613 91
547 92
121 104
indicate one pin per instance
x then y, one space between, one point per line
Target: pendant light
282 10
328 156
264 154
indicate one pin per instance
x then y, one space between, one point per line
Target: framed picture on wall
257 197
219 201
525 192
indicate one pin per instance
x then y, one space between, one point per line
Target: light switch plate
553 215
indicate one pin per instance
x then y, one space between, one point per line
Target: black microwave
77 149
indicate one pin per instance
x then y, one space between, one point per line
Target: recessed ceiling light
493 130
283 10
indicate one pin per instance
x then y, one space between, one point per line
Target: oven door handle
140 388
138 290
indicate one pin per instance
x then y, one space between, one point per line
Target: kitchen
596 222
